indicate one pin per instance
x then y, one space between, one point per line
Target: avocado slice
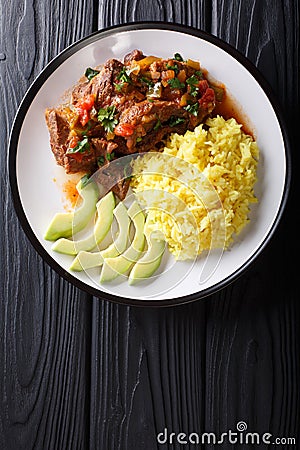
113 267
86 260
149 263
66 224
119 245
105 208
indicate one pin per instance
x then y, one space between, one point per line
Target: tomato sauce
229 108
70 193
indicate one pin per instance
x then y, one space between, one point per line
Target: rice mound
198 191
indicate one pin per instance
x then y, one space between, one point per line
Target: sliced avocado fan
149 263
105 208
66 224
86 260
113 267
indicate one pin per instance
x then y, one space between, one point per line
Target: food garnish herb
147 81
124 76
139 139
110 156
118 86
193 83
100 161
173 121
192 108
81 147
106 117
175 68
178 57
175 83
91 73
157 125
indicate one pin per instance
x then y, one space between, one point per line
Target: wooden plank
147 373
190 12
250 369
44 326
253 326
147 365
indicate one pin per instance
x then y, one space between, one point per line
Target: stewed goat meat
128 107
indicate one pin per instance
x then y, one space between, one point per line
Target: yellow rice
195 212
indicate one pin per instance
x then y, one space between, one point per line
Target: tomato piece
203 85
77 156
83 107
87 102
124 129
73 142
208 99
84 116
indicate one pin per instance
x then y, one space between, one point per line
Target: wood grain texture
259 315
152 377
44 321
190 12
241 362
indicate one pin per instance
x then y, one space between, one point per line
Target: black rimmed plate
33 169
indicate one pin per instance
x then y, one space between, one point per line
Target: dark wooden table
78 372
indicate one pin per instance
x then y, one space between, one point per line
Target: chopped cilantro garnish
100 160
173 121
175 83
107 119
91 73
178 57
147 81
139 139
157 125
110 156
199 73
81 147
124 75
192 108
175 68
118 86
193 83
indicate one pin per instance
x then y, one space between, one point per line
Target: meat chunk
114 176
135 55
145 117
59 131
126 108
101 85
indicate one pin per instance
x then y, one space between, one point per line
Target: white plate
32 166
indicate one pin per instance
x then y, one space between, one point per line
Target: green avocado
66 224
113 267
149 263
120 244
87 260
105 208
